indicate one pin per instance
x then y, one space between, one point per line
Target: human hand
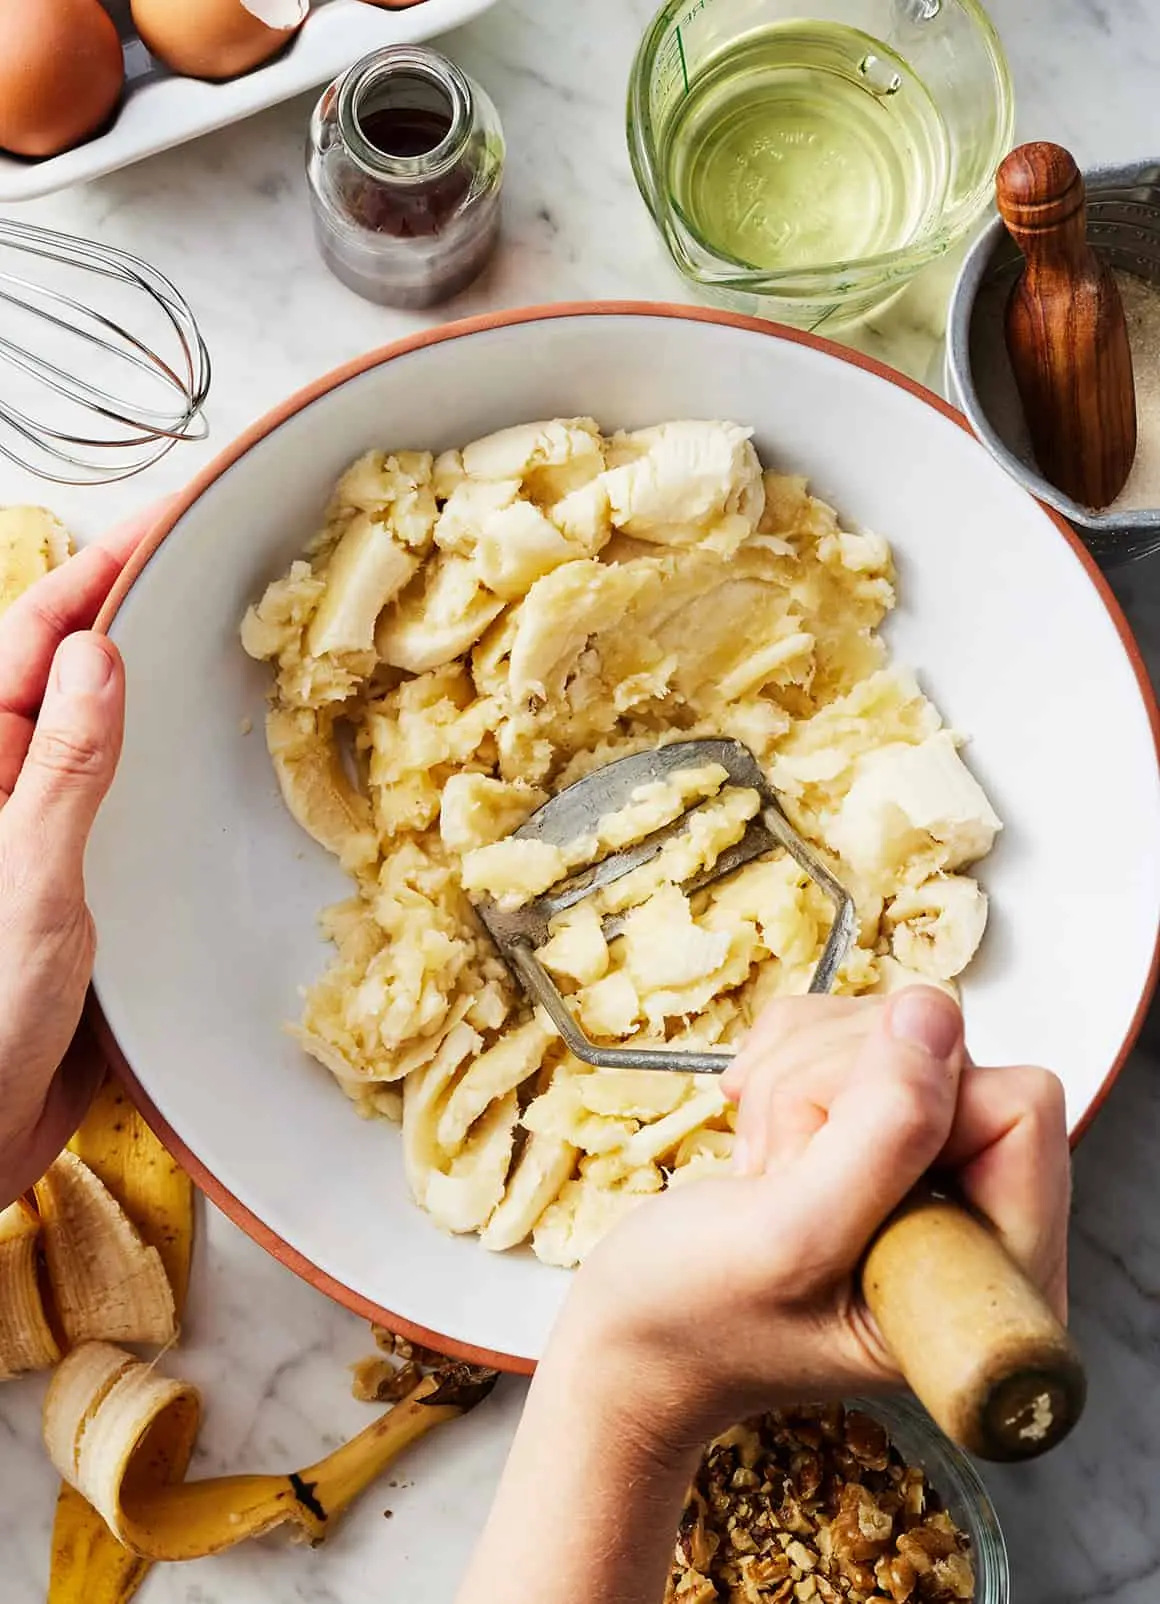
722 1298
62 700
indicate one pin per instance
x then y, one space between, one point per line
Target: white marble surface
227 218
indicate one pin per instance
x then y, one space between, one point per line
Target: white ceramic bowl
206 893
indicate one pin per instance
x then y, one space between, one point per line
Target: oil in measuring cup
806 144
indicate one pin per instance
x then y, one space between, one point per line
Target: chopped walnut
955 1576
379 1381
403 1348
387 1379
867 1441
815 1506
693 1589
798 1554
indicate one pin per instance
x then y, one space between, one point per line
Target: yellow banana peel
26 1338
89 1564
155 1193
116 1429
121 1434
107 1285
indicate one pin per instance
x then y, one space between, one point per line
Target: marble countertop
227 218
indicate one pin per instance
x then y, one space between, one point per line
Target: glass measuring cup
949 46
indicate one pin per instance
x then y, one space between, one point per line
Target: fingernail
927 1020
82 666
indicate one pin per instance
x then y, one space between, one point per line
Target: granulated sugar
1142 310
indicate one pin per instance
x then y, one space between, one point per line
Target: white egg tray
161 110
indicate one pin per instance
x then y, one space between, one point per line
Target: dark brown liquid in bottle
421 208
405 131
413 211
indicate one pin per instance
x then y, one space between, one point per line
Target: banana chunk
893 976
576 948
476 810
398 488
687 483
549 459
438 617
32 543
609 1007
631 1093
464 1196
468 507
659 803
935 928
664 946
570 1227
553 624
513 871
543 1167
424 1092
517 546
902 792
502 1069
367 569
315 787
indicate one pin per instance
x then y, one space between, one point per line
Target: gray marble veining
227 218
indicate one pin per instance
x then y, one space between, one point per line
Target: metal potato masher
975 1340
574 814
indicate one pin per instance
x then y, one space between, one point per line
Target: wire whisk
103 369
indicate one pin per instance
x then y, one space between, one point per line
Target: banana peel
26 1338
121 1435
106 1279
118 1231
115 1429
106 1283
89 1564
155 1193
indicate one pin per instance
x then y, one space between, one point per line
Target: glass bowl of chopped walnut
866 1503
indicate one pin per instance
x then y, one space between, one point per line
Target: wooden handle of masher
1067 336
976 1342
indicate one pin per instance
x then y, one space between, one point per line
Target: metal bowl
1124 226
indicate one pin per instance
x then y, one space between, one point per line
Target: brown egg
216 38
61 73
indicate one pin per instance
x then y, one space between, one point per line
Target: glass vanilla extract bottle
405 161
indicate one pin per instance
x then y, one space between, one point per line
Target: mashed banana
471 632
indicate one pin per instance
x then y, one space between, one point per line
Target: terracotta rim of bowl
181 503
